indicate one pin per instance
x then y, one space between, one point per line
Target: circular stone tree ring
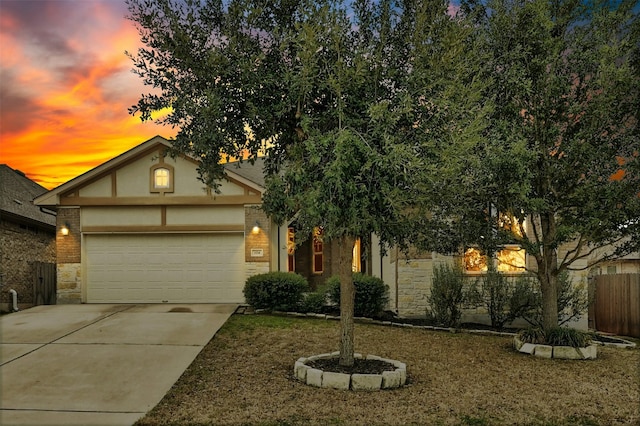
395 378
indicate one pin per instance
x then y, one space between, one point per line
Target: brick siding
21 245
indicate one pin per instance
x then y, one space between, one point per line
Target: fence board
617 304
44 283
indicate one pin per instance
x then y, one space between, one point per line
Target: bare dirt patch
244 377
360 366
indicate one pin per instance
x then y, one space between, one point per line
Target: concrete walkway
97 364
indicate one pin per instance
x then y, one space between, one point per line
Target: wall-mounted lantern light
65 229
256 228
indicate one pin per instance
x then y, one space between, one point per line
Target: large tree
339 96
562 146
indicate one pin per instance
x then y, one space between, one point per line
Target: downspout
14 300
397 261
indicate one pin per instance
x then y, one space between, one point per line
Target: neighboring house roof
252 172
17 193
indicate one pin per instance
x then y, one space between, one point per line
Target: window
291 249
356 264
161 178
509 259
318 255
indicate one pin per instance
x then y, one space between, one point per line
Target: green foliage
372 294
315 302
562 336
534 335
494 291
280 291
556 336
573 301
446 295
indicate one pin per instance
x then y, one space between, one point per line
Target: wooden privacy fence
44 283
617 304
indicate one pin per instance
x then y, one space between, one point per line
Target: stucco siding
120 216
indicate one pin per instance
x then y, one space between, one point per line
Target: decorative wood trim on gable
222 200
114 185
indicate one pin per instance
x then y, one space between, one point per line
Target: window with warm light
318 251
161 178
291 250
356 264
508 258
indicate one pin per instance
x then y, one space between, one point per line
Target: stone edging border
363 320
556 352
356 382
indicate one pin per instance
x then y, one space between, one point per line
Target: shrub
446 295
572 300
557 336
563 336
495 293
280 291
314 302
533 335
372 294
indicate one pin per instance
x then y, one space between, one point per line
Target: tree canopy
561 147
339 96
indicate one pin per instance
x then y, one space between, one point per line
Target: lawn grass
244 377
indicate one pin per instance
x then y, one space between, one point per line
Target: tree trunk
347 300
548 272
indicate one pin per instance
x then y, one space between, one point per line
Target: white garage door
165 268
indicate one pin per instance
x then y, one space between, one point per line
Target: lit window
161 178
511 259
356 265
474 260
318 255
291 249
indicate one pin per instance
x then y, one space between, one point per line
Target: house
141 228
27 235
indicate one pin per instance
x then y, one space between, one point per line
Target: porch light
256 228
65 229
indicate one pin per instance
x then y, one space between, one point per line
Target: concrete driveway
97 364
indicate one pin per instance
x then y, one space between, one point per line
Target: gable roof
17 193
246 173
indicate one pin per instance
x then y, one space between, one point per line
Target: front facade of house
142 228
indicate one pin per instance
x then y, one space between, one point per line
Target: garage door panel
174 268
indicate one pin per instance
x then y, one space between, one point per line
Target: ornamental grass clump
557 336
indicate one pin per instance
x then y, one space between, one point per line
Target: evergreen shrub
278 291
372 294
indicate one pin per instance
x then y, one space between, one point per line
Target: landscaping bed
244 376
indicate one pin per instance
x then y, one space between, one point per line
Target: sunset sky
65 86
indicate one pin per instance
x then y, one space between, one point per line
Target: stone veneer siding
20 246
259 241
69 256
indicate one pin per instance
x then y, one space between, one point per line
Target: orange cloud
68 85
